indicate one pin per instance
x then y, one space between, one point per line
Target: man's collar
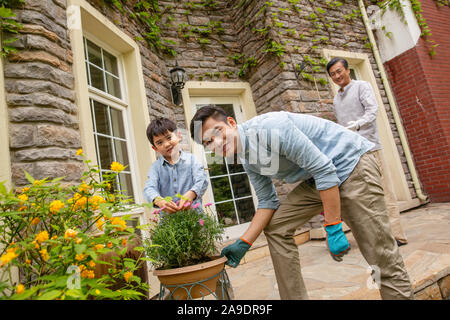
342 90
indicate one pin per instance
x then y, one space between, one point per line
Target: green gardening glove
235 252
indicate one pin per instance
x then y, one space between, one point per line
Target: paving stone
427 260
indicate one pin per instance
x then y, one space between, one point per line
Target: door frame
219 92
361 63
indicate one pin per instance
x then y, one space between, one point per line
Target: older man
356 108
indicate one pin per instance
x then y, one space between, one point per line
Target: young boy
175 172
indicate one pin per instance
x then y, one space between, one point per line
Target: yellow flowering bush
57 235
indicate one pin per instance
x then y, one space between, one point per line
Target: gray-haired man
356 108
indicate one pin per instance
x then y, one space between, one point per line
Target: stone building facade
214 40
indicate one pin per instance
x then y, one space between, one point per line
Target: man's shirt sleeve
264 189
369 103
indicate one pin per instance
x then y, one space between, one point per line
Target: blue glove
336 241
235 252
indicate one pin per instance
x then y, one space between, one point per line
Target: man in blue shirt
334 170
175 171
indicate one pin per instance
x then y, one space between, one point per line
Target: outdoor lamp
178 78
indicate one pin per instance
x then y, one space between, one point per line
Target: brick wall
423 98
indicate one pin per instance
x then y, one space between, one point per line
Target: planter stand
222 290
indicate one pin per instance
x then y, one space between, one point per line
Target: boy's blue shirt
308 147
165 179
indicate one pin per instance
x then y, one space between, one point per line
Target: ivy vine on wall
416 6
8 26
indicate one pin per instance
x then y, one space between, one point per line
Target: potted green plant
57 236
184 250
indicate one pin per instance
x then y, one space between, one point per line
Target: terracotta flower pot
188 282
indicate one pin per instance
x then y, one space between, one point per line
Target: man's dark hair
160 126
203 114
336 60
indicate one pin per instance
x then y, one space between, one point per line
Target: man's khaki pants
390 198
363 209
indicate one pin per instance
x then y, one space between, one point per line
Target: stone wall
39 85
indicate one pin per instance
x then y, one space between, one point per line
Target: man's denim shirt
295 147
165 179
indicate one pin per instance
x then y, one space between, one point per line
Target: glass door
229 188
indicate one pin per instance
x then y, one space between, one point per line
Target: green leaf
51 295
25 295
80 248
75 293
29 177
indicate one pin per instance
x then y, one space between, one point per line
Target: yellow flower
36 245
28 261
22 197
120 224
91 264
124 242
70 233
8 256
35 221
42 236
44 254
84 187
99 223
20 288
95 201
80 257
56 205
117 167
79 152
99 246
127 275
37 182
88 274
97 291
25 189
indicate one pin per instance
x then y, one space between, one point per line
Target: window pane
125 184
105 150
235 167
221 189
101 118
216 164
97 78
245 209
94 54
110 63
117 123
226 213
113 86
121 153
241 185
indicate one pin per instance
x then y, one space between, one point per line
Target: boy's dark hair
160 126
203 114
336 60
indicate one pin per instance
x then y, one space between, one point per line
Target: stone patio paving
427 260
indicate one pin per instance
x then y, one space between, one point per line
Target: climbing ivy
8 25
396 5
